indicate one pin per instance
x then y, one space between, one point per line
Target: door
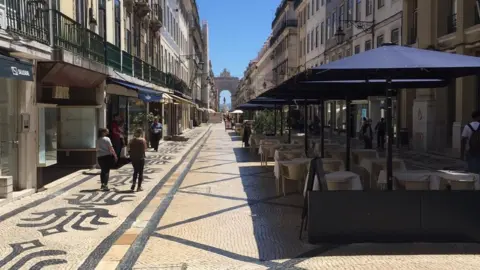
8 130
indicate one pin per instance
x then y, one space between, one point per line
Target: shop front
133 106
16 82
180 117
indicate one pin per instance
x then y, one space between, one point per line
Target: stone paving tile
228 216
59 228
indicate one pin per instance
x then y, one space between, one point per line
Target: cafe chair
293 173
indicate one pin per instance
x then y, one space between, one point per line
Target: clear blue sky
237 31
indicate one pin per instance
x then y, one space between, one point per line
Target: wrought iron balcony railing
30 20
412 36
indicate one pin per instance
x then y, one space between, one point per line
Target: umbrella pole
281 120
322 123
305 128
347 158
275 119
289 124
389 135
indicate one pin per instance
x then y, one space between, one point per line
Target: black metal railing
137 68
31 19
114 56
28 19
74 37
127 63
451 23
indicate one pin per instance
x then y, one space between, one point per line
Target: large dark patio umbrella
390 63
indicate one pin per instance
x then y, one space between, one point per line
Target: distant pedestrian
156 132
137 147
367 133
470 145
381 129
106 157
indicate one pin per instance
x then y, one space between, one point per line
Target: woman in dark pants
106 157
137 147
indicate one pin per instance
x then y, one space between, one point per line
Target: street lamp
366 26
340 35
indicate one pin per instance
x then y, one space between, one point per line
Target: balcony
280 28
72 36
451 23
28 20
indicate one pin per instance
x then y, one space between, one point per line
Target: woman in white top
106 157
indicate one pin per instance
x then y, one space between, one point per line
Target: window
101 18
368 45
349 10
348 52
313 7
308 11
380 40
327 36
395 36
341 16
128 34
312 40
368 7
301 49
80 12
318 5
322 31
357 49
316 36
308 42
380 3
117 23
358 10
334 23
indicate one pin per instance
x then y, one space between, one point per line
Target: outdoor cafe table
375 165
356 183
434 177
276 167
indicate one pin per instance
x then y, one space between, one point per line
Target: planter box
399 216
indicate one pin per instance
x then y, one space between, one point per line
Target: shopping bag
124 153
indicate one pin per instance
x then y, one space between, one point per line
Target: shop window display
78 128
47 135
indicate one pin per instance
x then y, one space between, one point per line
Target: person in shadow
137 147
247 131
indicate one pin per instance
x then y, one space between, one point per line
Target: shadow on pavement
234 136
275 218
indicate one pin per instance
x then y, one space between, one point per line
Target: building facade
283 42
438 115
77 66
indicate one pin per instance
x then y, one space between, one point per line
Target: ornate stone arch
226 82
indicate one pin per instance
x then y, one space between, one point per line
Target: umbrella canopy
340 89
237 111
391 61
248 106
278 101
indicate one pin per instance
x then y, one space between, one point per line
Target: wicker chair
297 173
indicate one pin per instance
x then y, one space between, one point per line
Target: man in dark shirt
380 129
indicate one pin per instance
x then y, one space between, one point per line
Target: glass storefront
8 128
47 134
137 117
78 128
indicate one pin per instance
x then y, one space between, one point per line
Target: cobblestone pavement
225 214
213 207
71 226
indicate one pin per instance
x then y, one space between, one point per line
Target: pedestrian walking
367 133
380 129
137 147
106 157
156 133
470 145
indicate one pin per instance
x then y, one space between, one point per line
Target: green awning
12 68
